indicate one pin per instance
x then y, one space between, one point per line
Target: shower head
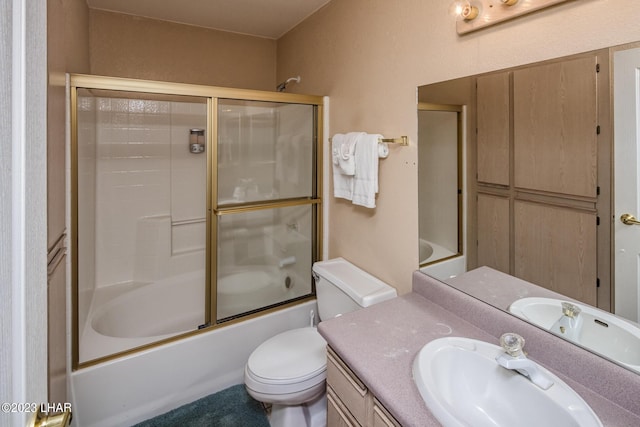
282 86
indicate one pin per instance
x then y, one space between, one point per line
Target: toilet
289 369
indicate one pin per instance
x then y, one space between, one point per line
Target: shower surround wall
142 193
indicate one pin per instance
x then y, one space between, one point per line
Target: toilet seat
290 362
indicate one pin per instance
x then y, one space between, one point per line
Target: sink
462 385
600 331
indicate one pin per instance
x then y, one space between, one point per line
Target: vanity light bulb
460 9
469 12
509 2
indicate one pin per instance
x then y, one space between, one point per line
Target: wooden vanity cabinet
349 401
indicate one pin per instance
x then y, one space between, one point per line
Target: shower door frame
213 94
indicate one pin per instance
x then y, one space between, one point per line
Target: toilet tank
342 287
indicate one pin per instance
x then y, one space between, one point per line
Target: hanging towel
342 184
343 151
365 181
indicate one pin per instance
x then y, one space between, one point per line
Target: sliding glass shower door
191 207
141 219
265 207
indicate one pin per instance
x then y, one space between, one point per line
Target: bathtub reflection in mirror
439 182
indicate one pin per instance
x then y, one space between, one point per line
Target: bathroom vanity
349 401
371 354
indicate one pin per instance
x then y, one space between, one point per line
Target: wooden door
493 232
627 176
556 248
555 127
493 110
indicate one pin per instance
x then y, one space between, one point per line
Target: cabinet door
493 106
493 232
555 120
555 247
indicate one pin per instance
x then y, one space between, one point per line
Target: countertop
379 344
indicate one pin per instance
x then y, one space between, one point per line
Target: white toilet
289 369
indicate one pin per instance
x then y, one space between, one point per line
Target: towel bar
403 140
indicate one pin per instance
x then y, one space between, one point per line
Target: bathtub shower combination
192 206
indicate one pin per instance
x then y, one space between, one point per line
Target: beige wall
370 55
141 48
67 51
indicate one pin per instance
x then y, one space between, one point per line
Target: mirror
439 172
606 334
532 224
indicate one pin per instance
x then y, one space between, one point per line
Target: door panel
555 116
493 128
493 232
627 173
555 247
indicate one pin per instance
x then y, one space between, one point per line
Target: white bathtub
132 315
242 289
449 265
430 251
130 389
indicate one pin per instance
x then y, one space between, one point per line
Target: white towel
343 151
365 181
342 184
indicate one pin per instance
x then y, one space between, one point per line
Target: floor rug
231 407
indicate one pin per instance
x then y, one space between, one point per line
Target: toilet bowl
289 369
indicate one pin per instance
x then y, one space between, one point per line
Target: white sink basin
463 385
602 332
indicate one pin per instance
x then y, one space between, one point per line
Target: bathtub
444 262
127 390
430 251
134 314
137 386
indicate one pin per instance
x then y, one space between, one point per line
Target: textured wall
141 48
370 55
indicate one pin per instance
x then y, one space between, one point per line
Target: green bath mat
231 407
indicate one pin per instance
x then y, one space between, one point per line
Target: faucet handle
512 344
570 310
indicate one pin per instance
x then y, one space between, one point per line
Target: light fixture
472 15
463 9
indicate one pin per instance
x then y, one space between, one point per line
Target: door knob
42 419
629 219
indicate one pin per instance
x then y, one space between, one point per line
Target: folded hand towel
342 184
365 181
336 142
343 151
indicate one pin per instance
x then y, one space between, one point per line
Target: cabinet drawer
348 388
382 418
337 414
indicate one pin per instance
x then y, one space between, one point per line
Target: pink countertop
380 343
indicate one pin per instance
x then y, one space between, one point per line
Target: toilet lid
294 355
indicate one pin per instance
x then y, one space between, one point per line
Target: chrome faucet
569 324
515 359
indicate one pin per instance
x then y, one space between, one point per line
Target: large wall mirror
542 203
